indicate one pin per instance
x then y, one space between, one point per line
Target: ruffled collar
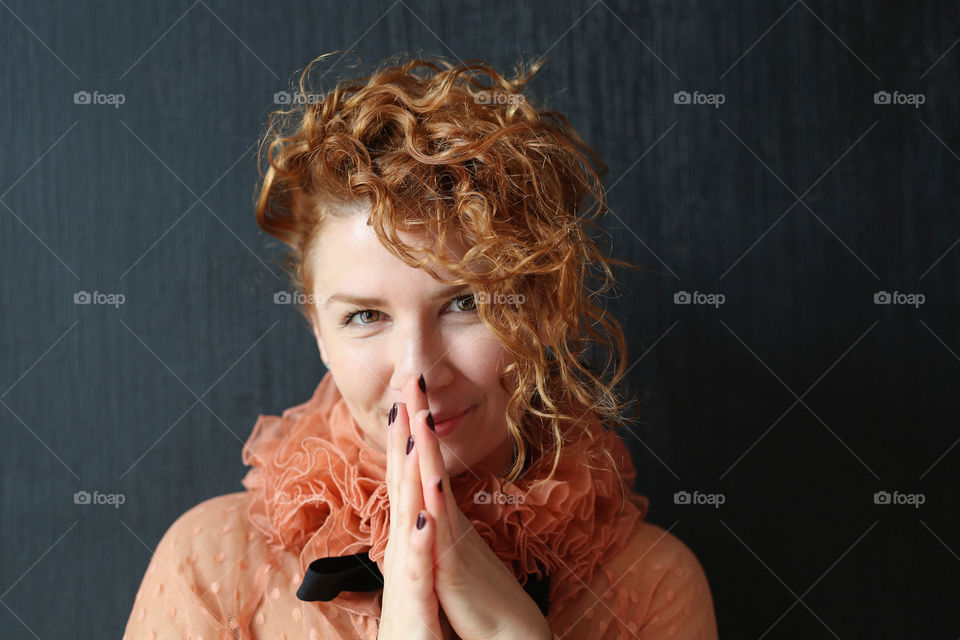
318 489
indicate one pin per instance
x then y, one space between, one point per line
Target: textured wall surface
781 192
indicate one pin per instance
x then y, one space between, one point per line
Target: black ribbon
327 577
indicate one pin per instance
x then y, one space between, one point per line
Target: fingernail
430 421
422 383
393 414
409 444
440 484
421 521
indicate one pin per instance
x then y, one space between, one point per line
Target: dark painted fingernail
422 383
393 414
409 444
421 521
430 422
440 484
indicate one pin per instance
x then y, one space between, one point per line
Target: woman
453 474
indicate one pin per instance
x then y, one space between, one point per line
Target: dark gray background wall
797 199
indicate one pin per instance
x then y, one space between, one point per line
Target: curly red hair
429 148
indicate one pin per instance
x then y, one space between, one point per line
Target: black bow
327 577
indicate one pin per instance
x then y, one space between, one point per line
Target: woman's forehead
353 238
347 256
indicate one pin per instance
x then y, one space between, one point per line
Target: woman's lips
447 426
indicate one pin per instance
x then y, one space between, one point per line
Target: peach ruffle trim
319 490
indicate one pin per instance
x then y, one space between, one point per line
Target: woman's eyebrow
379 302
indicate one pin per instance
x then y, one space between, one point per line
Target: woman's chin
454 467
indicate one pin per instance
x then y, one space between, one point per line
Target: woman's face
409 324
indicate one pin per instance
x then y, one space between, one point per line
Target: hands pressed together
440 577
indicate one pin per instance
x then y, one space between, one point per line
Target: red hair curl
427 147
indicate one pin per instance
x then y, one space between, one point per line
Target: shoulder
216 523
207 561
654 551
669 582
224 514
215 539
655 587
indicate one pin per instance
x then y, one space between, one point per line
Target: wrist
538 631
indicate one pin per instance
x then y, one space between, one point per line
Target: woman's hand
477 592
410 608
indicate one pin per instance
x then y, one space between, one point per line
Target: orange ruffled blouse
229 568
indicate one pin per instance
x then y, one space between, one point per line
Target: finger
411 493
416 395
397 434
434 501
415 398
419 558
434 475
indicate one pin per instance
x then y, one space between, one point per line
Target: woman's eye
348 318
365 313
468 298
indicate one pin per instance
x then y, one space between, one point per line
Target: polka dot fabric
213 577
229 568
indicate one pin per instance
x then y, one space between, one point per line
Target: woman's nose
422 354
